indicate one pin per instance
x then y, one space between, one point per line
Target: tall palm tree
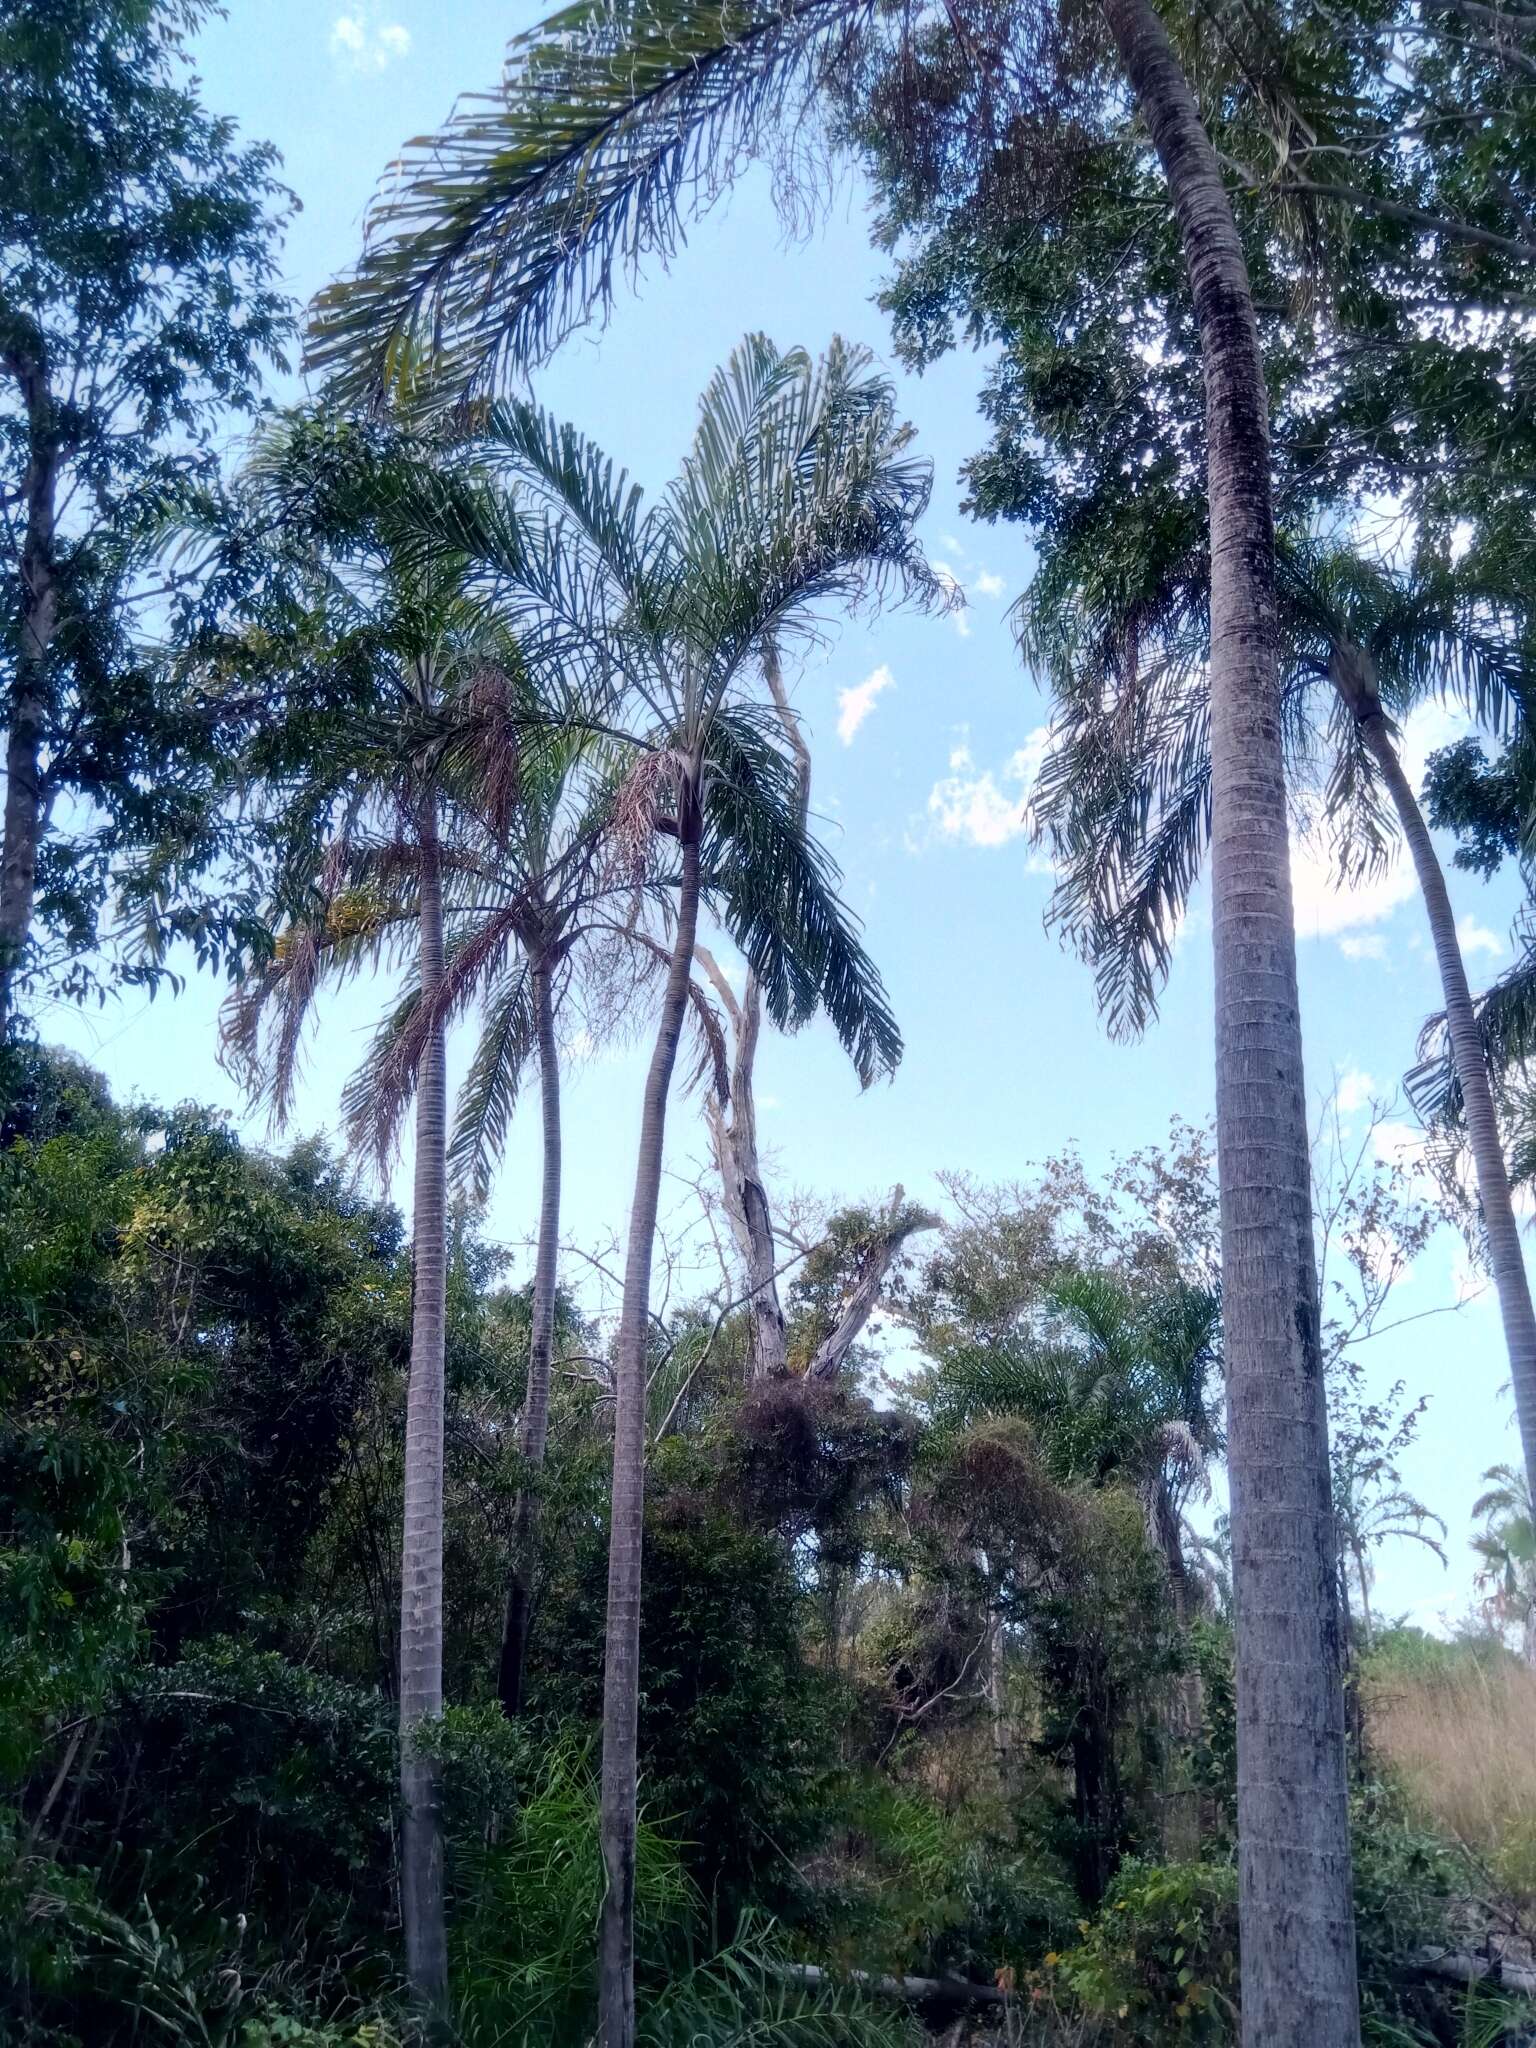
1124 796
501 234
798 489
529 886
364 795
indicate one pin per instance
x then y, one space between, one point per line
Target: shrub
1159 1959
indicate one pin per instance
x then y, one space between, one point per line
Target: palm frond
775 891
488 1098
615 119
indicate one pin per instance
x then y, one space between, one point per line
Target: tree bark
621 1667
733 1135
1506 1255
541 1344
422 1910
733 1127
27 711
1298 1949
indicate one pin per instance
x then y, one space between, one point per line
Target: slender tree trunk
1298 1949
621 1669
733 1134
733 1129
1186 1704
1506 1255
421 1561
27 711
541 1344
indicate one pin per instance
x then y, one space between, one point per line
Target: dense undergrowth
910 1674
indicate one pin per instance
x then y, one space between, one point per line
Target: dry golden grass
1464 1744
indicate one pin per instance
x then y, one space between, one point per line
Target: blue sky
924 731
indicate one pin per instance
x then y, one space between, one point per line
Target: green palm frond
775 891
488 1098
615 119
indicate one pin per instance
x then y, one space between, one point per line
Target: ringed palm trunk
621 1664
421 1565
1298 1950
1505 1252
541 1344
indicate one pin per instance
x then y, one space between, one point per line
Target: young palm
1124 796
503 233
1507 1546
798 490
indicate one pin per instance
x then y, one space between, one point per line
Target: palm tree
497 237
406 650
798 489
1507 1547
529 885
1124 797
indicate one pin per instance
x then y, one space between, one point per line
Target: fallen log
1455 1966
915 1990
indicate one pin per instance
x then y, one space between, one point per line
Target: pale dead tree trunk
621 1664
733 1125
733 1137
1354 677
1298 1949
422 1910
27 711
541 1344
898 1224
1186 1705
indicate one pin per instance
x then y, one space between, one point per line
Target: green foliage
736 1730
141 311
528 1900
1159 1959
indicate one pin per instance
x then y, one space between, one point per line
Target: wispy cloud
985 584
854 705
365 46
1477 938
1355 1090
1363 946
987 807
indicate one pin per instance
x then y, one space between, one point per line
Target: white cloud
364 47
855 705
950 545
1476 938
985 584
1364 946
1355 1090
983 807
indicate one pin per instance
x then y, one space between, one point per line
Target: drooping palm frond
1122 799
488 1098
775 890
614 120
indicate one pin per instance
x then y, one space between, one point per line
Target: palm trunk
1298 1949
27 712
541 1344
1505 1253
421 1561
621 1668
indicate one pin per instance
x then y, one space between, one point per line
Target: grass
1463 1742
